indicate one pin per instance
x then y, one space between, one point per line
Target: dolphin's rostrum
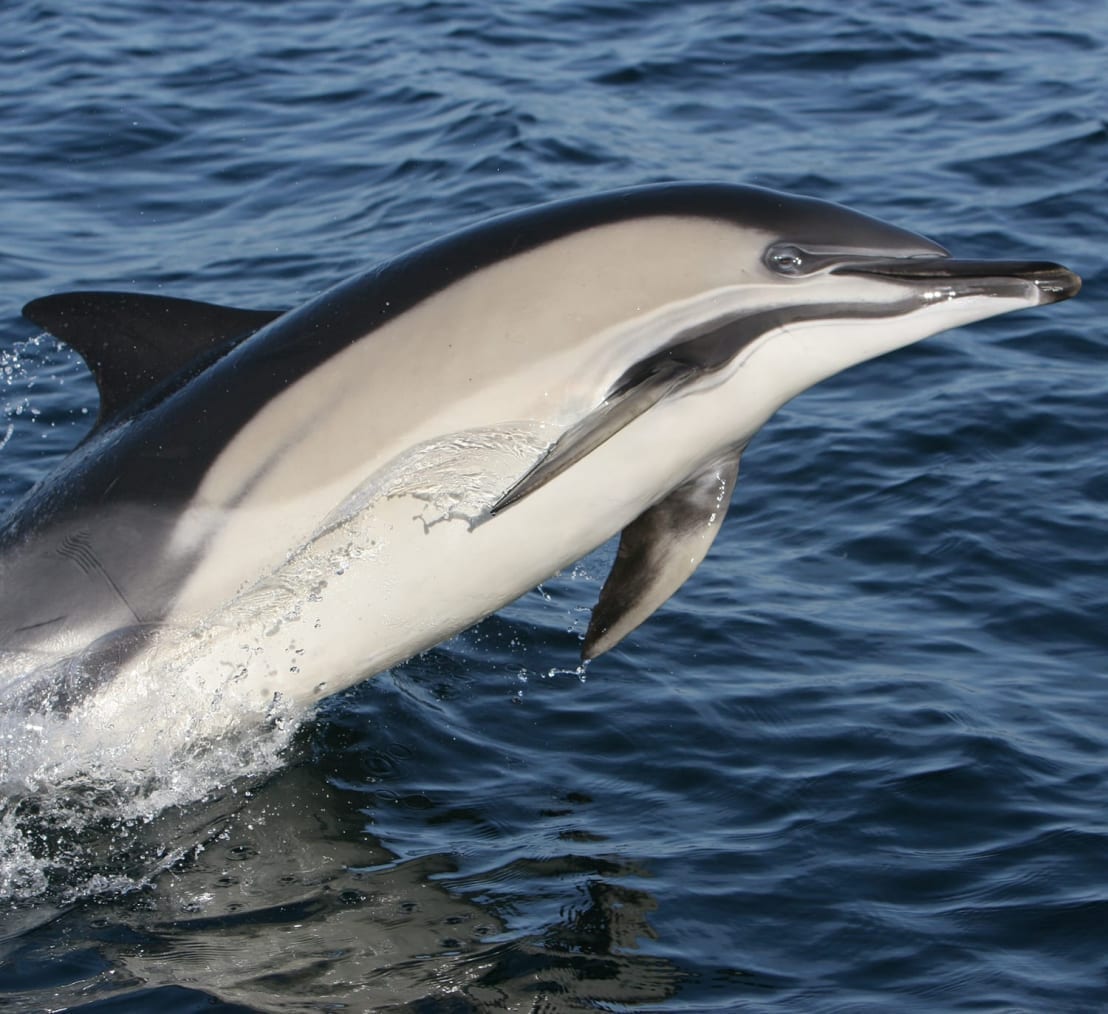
296 500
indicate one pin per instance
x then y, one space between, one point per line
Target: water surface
858 763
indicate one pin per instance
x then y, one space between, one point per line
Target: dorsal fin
659 550
132 341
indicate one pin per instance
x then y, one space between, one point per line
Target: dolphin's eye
785 259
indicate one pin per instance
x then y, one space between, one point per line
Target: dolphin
275 504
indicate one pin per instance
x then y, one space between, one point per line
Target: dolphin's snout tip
1056 282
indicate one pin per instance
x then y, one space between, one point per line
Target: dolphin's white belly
412 557
405 561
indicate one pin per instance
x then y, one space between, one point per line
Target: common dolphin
276 505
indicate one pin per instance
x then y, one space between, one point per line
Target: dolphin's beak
974 278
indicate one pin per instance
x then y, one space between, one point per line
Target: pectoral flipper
658 552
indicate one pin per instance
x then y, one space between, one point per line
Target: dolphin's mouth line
973 277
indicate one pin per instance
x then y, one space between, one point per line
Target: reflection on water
284 903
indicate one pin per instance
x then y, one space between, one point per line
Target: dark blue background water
859 763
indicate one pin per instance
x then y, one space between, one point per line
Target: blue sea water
858 763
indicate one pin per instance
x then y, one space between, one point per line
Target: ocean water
858 763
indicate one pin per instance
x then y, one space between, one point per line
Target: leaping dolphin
280 504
